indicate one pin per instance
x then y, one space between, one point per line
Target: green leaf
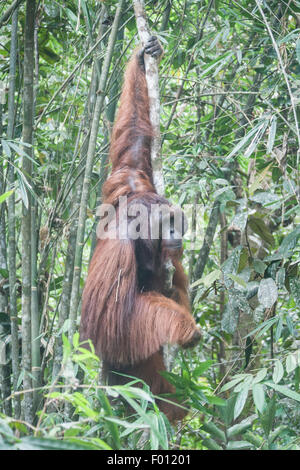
278 371
241 427
258 396
272 134
113 428
238 445
209 279
261 176
241 400
55 444
258 226
260 376
267 292
298 50
211 444
256 139
259 266
268 415
214 431
291 363
6 195
233 382
289 242
284 390
202 367
254 439
238 280
278 329
244 140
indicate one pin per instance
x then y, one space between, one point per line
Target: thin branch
5 17
151 68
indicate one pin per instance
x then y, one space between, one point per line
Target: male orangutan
127 310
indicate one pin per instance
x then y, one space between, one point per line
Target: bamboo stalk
4 365
88 170
12 216
27 137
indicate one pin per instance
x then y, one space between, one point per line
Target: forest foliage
229 89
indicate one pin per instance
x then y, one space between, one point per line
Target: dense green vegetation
231 146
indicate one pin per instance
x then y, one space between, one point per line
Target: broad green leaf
214 431
291 363
268 415
267 292
237 303
241 427
260 375
295 289
258 226
284 390
210 278
237 279
254 439
6 195
35 443
258 396
239 445
280 277
211 444
232 383
240 401
289 242
278 371
266 199
202 367
259 266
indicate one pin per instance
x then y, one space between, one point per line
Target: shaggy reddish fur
125 311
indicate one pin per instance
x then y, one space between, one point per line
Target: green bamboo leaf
6 195
272 134
260 376
298 50
241 400
214 431
278 372
256 139
291 363
6 148
260 177
284 390
241 427
279 329
211 444
244 140
239 445
258 396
